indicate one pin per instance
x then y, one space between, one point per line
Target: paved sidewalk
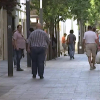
64 80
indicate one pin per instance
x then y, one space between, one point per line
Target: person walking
30 31
54 44
20 45
90 39
38 41
64 45
71 44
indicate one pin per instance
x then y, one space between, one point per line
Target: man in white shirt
90 40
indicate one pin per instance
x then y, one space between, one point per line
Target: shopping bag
98 58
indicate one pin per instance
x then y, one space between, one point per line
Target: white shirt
90 37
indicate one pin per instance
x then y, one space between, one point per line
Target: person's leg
18 53
94 61
73 50
34 61
14 58
94 54
88 53
64 48
41 59
70 51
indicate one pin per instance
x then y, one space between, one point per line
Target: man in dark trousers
71 44
38 41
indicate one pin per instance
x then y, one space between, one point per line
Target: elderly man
38 41
90 40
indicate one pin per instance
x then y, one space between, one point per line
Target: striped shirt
38 38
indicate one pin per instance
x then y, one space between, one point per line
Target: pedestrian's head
39 26
65 34
94 29
19 28
89 28
71 31
31 29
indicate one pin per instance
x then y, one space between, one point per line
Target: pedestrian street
64 79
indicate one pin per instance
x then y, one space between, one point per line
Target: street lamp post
28 26
41 13
9 43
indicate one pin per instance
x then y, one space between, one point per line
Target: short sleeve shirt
20 41
90 37
63 40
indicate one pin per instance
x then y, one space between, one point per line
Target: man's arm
96 39
15 41
74 39
47 39
84 40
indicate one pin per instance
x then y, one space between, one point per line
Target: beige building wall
20 18
3 34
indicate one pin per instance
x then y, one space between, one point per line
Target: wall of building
3 34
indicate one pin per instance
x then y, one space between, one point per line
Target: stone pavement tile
56 90
69 89
59 96
58 85
79 95
49 85
30 96
94 83
94 95
9 97
64 80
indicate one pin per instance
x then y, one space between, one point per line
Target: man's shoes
41 77
20 69
91 68
94 67
70 58
73 58
34 76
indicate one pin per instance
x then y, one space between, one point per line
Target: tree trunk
51 33
58 40
81 34
56 35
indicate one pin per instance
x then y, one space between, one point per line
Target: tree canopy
8 5
52 9
87 10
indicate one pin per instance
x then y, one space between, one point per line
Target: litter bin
80 48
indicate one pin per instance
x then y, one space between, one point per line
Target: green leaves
52 9
9 5
77 9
